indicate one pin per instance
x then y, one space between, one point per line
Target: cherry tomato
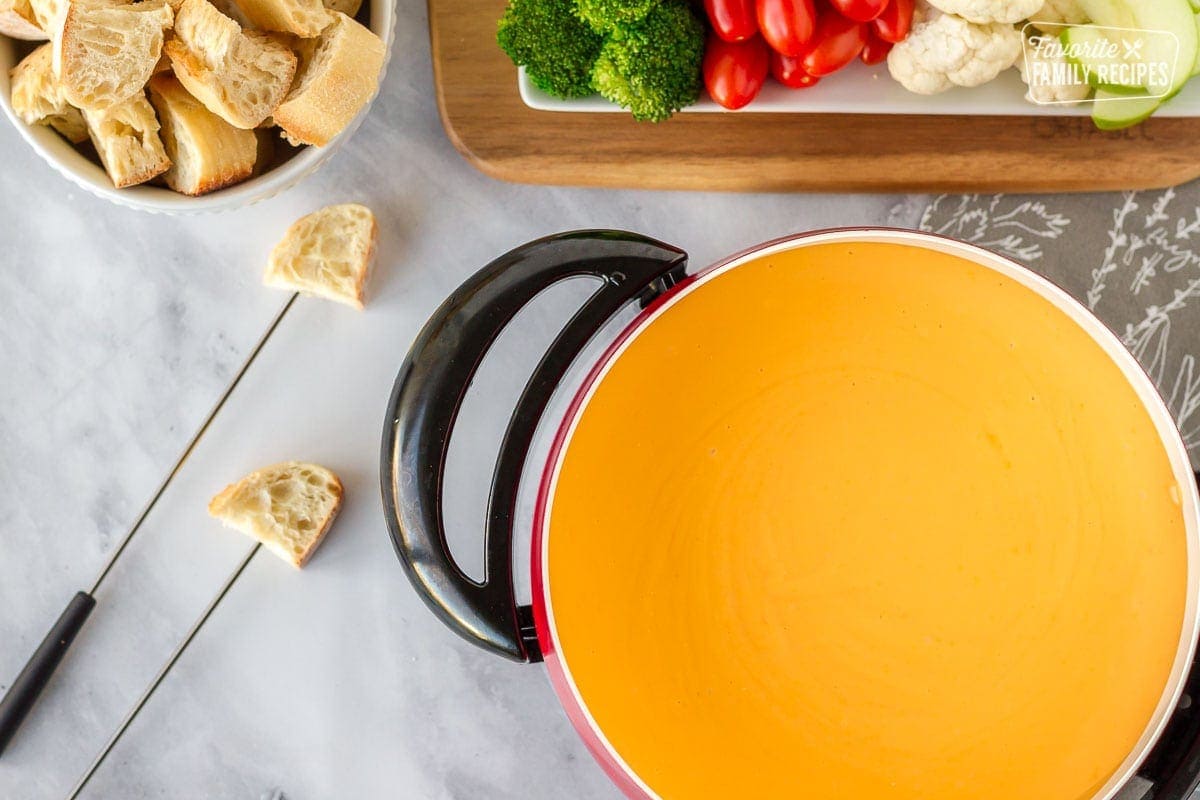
895 22
836 43
876 50
860 10
734 72
732 20
787 70
787 25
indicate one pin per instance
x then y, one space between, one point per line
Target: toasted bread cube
287 507
126 137
327 253
206 152
105 53
48 14
38 99
18 21
241 76
305 18
334 83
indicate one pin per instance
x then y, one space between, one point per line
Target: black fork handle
429 391
27 687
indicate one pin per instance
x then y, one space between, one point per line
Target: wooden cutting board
486 120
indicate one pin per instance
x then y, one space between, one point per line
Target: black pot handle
429 391
1173 766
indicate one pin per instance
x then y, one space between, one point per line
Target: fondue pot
856 513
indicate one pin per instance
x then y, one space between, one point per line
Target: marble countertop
120 333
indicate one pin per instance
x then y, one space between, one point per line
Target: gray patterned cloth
1133 258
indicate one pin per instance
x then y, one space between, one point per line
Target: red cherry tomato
860 10
732 20
836 43
734 72
787 70
787 25
876 50
896 21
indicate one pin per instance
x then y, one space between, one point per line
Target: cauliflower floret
1057 14
1048 91
944 50
981 11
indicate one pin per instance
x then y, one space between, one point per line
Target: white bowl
859 89
89 175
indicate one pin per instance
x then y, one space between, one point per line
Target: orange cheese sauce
867 521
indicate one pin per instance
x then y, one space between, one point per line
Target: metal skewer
162 673
28 685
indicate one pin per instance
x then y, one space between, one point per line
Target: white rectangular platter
859 89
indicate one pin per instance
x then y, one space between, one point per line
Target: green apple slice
1088 50
1174 17
1115 111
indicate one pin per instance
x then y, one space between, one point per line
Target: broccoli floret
605 15
556 48
652 67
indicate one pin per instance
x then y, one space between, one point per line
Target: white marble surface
120 331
